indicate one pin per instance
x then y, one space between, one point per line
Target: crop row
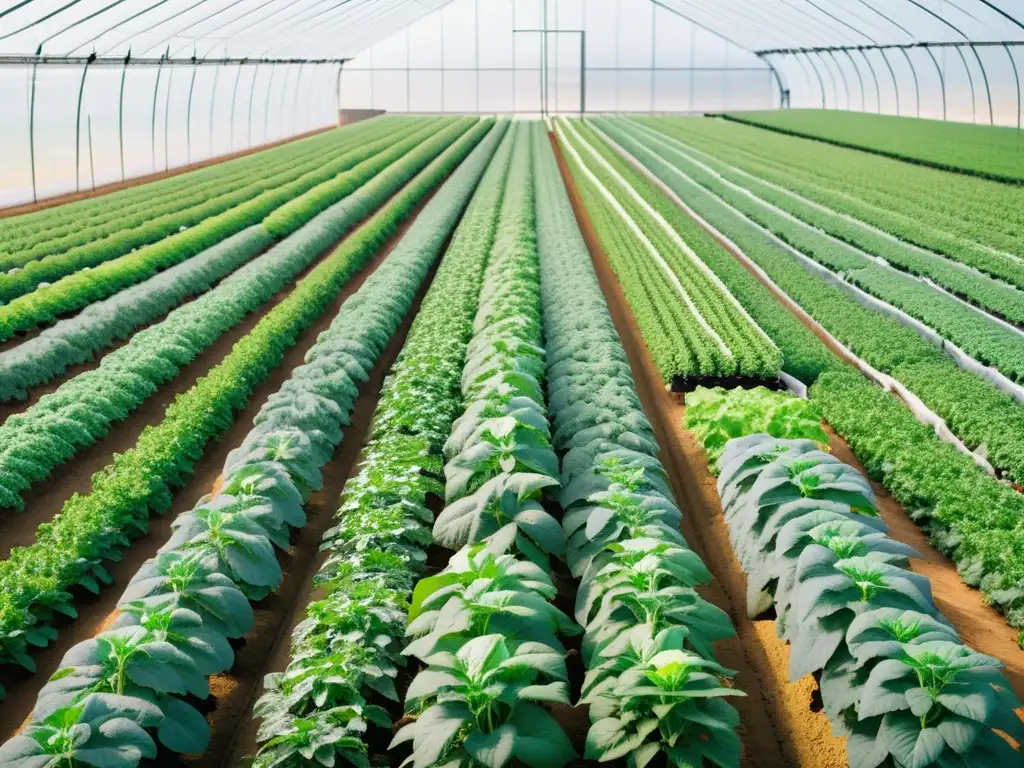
57 251
59 220
970 516
318 708
752 352
981 290
85 286
82 410
977 334
77 339
984 150
974 410
156 226
184 605
895 680
653 686
70 550
971 221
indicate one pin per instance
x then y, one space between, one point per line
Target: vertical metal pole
32 128
817 74
152 117
476 49
337 93
874 76
234 102
860 79
441 15
544 60
92 167
515 73
213 101
583 72
917 83
693 82
167 119
618 22
78 124
654 52
266 104
295 101
188 115
1016 80
252 97
120 115
988 90
942 80
892 74
970 80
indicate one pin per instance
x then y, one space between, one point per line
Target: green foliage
47 303
981 150
652 684
894 677
974 410
716 416
70 549
348 646
750 352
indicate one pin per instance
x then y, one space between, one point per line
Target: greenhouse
512 383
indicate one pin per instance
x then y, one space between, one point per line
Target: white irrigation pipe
850 220
669 140
963 360
673 235
921 411
635 229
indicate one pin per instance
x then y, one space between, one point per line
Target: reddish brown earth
105 189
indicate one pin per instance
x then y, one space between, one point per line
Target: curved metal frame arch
970 79
252 99
817 74
152 117
892 73
860 79
78 126
831 77
234 103
942 79
988 90
1016 79
917 83
874 76
846 84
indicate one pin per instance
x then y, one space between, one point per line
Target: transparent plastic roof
343 28
779 24
204 28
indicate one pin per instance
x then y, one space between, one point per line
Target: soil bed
95 610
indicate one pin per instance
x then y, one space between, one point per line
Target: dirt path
95 610
778 727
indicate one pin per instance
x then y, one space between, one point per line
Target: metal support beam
167 119
917 84
1016 80
78 126
970 79
234 102
892 73
988 90
188 118
874 76
213 104
860 79
120 115
32 132
846 84
18 60
544 32
152 120
266 104
821 81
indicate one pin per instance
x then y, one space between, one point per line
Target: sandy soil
104 189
